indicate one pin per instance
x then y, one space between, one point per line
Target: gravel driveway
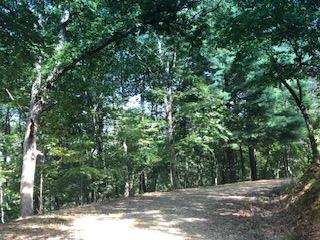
240 211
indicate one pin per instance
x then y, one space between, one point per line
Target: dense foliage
142 95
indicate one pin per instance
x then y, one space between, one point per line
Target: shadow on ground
240 211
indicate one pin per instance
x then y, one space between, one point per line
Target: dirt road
240 211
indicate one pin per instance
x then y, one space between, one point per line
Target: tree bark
286 162
200 174
266 170
212 170
40 210
243 168
253 163
231 165
127 176
216 169
30 154
168 70
30 151
143 185
171 143
311 135
186 174
1 206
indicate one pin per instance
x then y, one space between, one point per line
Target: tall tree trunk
127 176
142 177
243 168
127 186
171 143
30 151
168 71
231 165
217 170
212 171
186 174
143 185
266 170
28 168
155 176
253 163
7 131
1 205
40 210
200 174
285 162
311 135
298 98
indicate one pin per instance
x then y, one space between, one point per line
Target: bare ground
240 211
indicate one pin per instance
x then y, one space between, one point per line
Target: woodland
101 99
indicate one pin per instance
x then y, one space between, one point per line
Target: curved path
240 211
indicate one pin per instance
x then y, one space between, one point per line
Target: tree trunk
1 205
7 131
253 163
311 135
143 186
286 163
173 158
168 70
266 170
212 171
155 181
231 165
57 203
126 188
243 168
200 174
215 160
40 210
300 104
127 176
186 174
29 166
30 151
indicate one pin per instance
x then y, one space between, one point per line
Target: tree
286 40
71 51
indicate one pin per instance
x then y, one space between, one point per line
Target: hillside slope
228 212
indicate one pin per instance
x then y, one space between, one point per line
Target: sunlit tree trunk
171 142
168 68
30 151
217 170
40 210
129 176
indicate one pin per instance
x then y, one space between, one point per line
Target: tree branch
59 71
300 89
13 100
285 83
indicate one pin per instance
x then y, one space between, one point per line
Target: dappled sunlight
93 227
241 198
219 213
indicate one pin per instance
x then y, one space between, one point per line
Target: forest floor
240 211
